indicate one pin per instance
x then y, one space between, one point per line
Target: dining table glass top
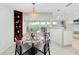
37 37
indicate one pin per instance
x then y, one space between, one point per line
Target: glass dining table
32 41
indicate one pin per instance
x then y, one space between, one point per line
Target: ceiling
54 8
39 7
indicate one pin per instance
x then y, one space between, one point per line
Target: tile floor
54 48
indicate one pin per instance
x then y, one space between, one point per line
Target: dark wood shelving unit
18 28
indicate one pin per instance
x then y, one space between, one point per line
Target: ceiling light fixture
34 14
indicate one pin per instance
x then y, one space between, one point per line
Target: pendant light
34 14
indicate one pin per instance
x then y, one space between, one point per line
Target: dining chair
18 48
21 48
44 50
44 47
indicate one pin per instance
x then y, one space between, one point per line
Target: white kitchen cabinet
68 37
56 35
60 36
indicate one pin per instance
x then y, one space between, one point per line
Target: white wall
6 28
24 24
40 17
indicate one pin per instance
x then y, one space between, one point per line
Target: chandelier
34 14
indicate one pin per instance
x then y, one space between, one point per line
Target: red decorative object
18 34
